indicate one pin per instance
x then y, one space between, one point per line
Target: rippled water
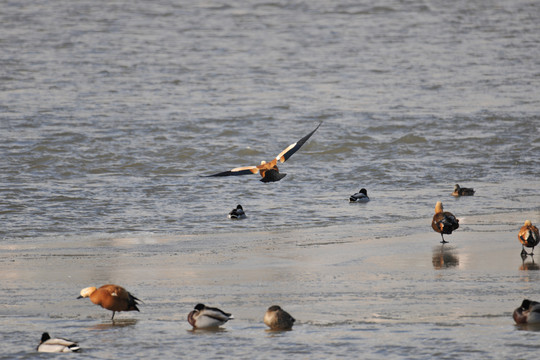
111 111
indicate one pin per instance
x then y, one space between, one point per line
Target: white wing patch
281 154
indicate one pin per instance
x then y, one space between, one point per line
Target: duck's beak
79 297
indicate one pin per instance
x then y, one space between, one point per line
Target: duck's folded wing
217 314
291 149
246 170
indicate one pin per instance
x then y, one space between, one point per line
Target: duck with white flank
278 319
111 297
204 317
527 313
237 213
56 345
459 191
360 196
269 170
528 237
444 222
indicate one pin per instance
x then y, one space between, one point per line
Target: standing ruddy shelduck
204 317
528 236
360 196
269 170
459 191
443 222
56 345
237 213
527 313
111 297
278 319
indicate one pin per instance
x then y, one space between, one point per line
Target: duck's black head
363 191
526 304
239 207
199 307
45 336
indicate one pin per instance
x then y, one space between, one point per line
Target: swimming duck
528 237
56 345
237 213
203 317
111 297
443 222
269 170
527 313
360 196
459 191
278 319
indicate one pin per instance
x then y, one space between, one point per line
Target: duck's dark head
45 336
363 191
526 304
199 307
274 308
456 187
239 207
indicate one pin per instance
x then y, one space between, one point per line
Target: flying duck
269 170
528 237
204 317
278 319
56 345
360 196
111 297
527 313
237 213
443 222
459 191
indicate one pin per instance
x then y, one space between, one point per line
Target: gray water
111 111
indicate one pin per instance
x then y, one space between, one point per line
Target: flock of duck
115 298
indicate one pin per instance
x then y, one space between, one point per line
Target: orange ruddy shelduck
111 297
269 170
443 222
528 237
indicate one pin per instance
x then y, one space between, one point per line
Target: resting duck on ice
57 345
237 213
360 196
203 317
527 313
444 222
269 170
459 191
278 319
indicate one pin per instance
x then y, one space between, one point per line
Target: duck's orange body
268 170
528 237
111 297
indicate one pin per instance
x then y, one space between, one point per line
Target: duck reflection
444 256
114 324
529 265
